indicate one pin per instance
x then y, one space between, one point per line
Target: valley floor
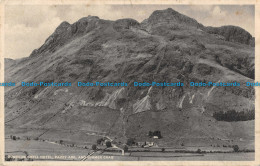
46 150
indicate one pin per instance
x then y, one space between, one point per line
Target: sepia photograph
128 82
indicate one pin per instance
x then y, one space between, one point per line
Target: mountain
166 47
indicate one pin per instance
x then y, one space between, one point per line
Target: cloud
30 15
217 12
201 8
242 16
21 39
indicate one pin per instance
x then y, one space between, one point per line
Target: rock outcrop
232 34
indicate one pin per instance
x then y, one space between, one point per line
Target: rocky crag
166 47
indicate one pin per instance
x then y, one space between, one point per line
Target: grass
39 150
36 149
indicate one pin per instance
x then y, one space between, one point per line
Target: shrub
94 147
198 151
163 149
99 141
130 141
236 148
9 158
150 134
108 144
125 148
155 133
233 115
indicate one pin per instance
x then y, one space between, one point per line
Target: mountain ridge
157 17
125 50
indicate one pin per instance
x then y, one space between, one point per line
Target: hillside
166 47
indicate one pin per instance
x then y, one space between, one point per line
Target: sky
28 26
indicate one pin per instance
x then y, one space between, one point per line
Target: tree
125 148
14 137
236 148
157 133
199 151
9 158
94 147
108 144
163 149
130 141
232 115
99 141
61 141
150 134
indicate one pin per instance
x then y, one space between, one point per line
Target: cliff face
166 47
65 32
233 34
170 16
